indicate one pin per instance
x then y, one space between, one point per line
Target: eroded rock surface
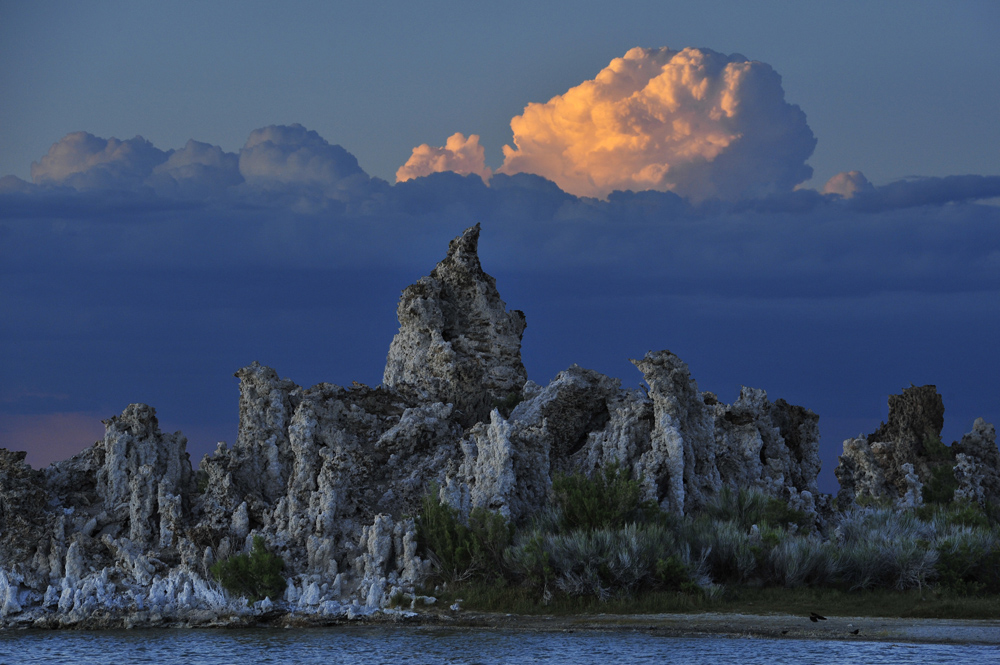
125 532
898 459
457 343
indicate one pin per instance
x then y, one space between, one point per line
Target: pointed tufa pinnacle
457 343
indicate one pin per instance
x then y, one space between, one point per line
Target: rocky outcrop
977 465
457 343
905 454
685 445
125 532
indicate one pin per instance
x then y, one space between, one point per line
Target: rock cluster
901 457
125 532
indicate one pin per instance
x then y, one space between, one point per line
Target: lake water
376 645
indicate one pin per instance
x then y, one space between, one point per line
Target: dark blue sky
151 269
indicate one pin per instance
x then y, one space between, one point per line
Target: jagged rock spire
457 343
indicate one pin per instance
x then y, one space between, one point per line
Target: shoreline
692 625
774 626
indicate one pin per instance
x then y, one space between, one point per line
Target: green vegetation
600 547
507 404
608 500
462 551
254 576
941 486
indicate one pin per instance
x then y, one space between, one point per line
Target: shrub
608 499
748 507
798 561
954 514
969 562
462 551
505 405
529 560
673 574
940 487
885 548
254 576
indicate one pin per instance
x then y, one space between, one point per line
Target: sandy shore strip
939 631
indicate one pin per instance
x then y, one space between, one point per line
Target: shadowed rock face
330 477
896 460
457 343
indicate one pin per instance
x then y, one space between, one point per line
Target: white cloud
695 122
459 154
84 161
198 169
278 156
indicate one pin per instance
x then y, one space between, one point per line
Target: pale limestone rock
897 460
876 468
913 497
978 464
457 343
489 466
140 464
327 475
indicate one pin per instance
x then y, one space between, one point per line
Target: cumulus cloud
847 184
695 122
462 155
280 156
198 169
84 161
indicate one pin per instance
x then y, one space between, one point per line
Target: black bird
855 631
816 617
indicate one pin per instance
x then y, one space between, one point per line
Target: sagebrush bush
747 507
885 548
802 561
254 576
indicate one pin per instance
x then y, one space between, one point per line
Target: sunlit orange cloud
847 184
459 154
50 437
696 122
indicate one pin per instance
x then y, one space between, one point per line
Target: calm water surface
376 645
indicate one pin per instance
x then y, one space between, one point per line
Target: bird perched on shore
816 617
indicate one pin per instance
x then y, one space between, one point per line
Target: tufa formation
124 533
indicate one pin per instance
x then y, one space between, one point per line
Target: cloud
281 156
847 184
84 161
695 122
459 154
197 170
924 191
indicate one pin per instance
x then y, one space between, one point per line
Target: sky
796 198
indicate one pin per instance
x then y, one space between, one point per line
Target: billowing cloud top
276 159
84 161
847 184
459 154
695 122
280 155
